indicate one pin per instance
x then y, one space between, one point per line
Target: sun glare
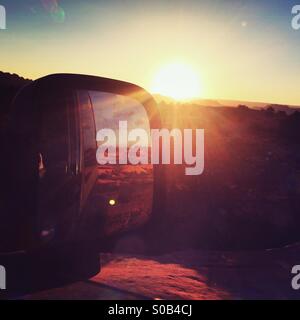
178 81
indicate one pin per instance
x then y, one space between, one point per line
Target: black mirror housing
34 107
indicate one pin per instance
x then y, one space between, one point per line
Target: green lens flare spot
58 15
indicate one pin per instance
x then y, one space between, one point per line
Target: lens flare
56 12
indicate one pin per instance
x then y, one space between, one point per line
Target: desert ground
190 274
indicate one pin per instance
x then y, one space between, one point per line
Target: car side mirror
79 164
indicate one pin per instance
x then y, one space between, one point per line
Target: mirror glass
123 193
95 176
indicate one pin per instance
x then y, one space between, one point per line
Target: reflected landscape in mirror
124 192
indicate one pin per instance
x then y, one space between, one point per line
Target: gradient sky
244 50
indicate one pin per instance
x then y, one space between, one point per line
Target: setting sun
178 81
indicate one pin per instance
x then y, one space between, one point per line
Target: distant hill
203 102
9 79
229 103
10 84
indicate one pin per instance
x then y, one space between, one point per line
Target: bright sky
245 50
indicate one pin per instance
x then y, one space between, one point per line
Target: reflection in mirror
124 191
